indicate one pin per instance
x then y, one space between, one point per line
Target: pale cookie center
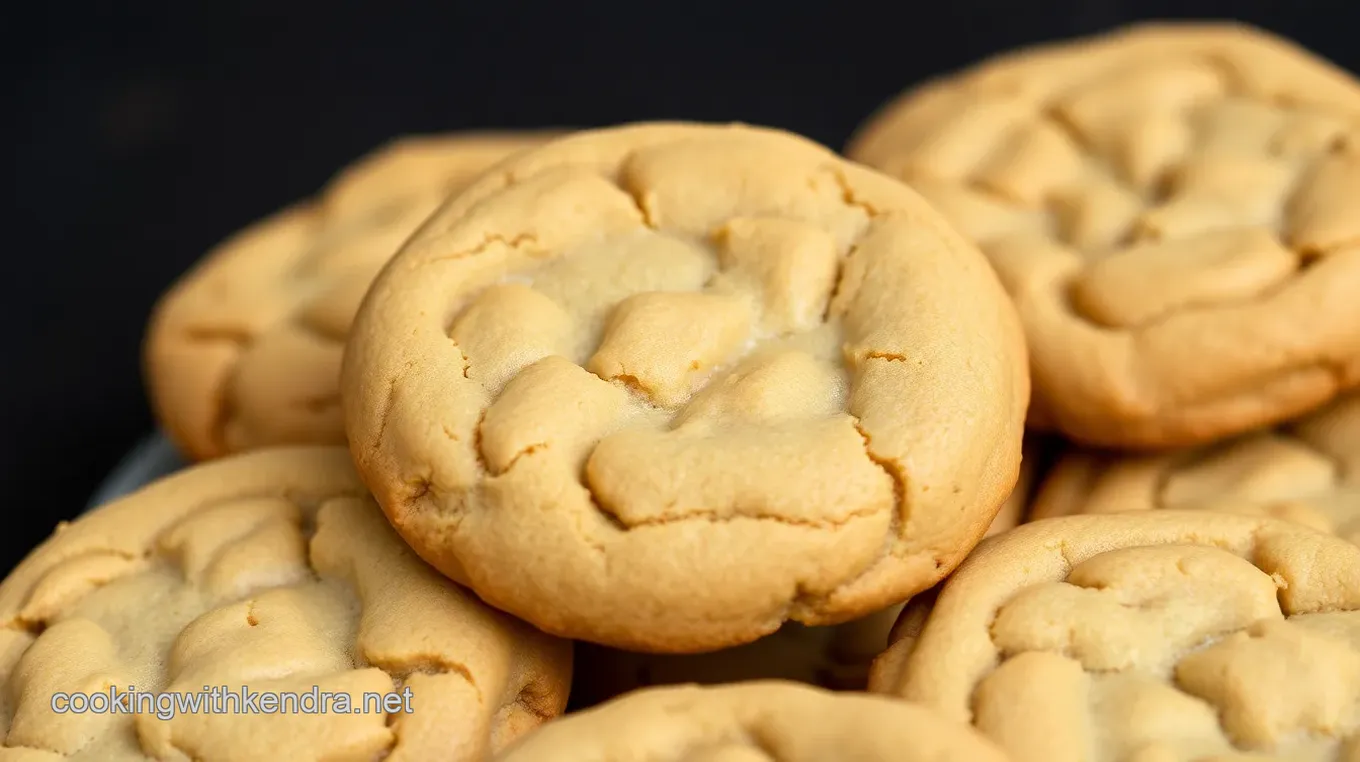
651 361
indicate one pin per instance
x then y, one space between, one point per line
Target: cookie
855 644
753 722
1307 471
663 387
1034 465
267 573
244 351
1133 637
1175 210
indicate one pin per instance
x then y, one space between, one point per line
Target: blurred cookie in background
1306 471
1175 209
754 722
244 351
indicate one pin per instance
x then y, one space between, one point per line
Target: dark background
143 133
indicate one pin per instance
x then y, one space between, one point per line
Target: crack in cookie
724 339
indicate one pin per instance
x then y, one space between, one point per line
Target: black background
143 133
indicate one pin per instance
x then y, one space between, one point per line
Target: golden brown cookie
767 721
244 351
1175 210
1307 471
1140 637
855 644
273 573
664 387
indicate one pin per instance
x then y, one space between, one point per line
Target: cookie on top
664 387
763 721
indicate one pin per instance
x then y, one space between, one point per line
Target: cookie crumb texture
275 571
664 387
1166 635
244 351
1307 471
767 721
1175 209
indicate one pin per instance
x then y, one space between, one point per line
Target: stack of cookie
711 404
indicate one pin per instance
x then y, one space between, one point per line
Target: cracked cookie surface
835 657
1166 636
1306 471
1175 210
766 721
664 387
277 572
244 351
854 645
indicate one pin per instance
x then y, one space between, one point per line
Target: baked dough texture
854 645
766 721
273 570
1307 471
244 351
1176 636
1175 210
663 387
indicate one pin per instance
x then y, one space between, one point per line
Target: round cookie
664 387
1306 471
767 721
1175 210
269 572
1141 637
244 351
